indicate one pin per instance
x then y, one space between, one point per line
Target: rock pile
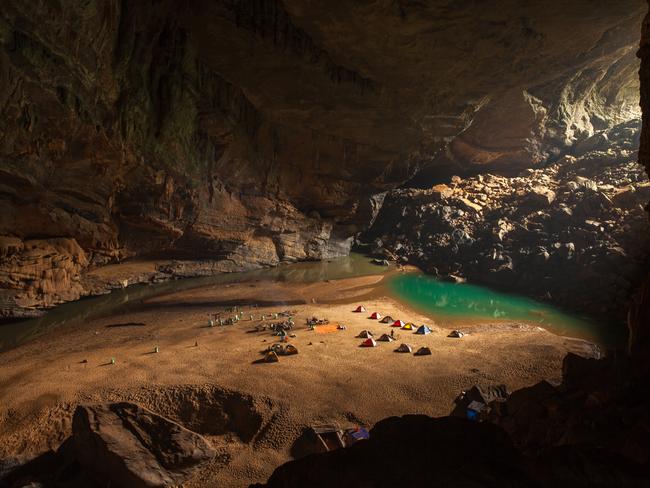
572 232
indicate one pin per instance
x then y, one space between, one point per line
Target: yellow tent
409 326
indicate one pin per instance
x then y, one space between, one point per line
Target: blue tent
423 330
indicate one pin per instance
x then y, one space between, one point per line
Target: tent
404 348
398 323
290 350
369 342
386 338
387 319
408 326
365 334
271 357
457 334
375 316
423 330
483 396
360 309
277 348
474 410
423 351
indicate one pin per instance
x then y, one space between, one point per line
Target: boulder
540 196
426 451
127 445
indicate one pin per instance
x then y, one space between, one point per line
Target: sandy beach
210 378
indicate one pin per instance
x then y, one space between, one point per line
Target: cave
260 220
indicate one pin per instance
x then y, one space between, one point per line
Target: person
392 333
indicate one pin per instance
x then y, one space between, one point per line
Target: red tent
370 342
360 308
398 323
375 316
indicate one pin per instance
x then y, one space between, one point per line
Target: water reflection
453 303
17 333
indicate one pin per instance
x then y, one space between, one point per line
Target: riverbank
331 379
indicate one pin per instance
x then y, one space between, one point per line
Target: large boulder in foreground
414 450
130 446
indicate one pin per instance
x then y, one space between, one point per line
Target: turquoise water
447 303
454 303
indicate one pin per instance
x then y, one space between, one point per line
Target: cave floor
331 379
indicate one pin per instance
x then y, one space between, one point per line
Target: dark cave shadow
263 361
305 444
127 324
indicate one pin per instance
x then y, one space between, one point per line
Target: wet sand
331 379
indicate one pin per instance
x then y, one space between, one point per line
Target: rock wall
250 133
574 233
639 316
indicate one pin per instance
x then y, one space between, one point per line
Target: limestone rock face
574 232
44 271
129 446
255 132
639 318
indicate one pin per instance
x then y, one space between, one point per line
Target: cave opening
264 242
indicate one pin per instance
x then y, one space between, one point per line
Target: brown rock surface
129 446
252 133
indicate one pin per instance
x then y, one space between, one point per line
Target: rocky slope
249 133
574 232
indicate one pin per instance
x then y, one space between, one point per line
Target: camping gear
360 309
375 316
398 323
457 334
474 410
409 326
341 327
370 342
387 319
386 338
277 348
487 396
358 434
423 351
404 348
290 350
365 334
332 436
423 330
271 357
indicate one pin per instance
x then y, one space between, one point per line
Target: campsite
316 371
